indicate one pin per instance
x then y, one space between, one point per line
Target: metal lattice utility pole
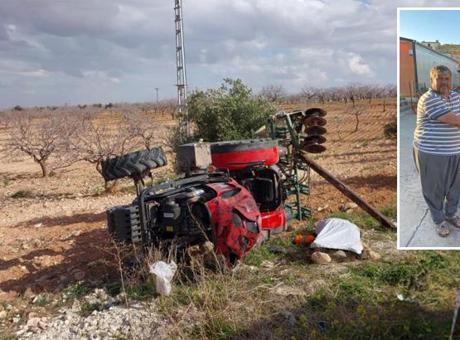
181 71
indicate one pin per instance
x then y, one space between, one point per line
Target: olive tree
229 112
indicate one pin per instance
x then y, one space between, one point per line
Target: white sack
164 273
336 233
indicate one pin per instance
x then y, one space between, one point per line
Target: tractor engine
190 211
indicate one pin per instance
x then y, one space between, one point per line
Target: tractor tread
133 164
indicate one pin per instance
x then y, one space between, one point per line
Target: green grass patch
220 327
141 291
113 288
390 211
365 303
274 250
364 220
260 254
8 337
76 291
42 300
410 273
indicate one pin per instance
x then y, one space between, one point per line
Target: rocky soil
108 317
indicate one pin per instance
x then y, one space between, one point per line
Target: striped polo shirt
431 136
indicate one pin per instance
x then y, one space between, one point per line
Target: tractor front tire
134 164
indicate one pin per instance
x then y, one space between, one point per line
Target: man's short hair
435 70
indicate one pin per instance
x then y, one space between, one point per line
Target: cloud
57 51
358 66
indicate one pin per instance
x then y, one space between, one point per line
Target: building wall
406 69
425 60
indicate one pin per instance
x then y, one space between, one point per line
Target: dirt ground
53 230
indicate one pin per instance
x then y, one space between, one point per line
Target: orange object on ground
303 239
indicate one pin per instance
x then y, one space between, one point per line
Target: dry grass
280 294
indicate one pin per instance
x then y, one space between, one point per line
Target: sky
55 52
431 25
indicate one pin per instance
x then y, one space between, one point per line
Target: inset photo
429 128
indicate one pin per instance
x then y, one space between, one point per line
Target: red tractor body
236 220
241 154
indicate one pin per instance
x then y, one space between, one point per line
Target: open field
53 241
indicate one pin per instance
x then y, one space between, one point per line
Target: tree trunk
44 168
110 186
357 122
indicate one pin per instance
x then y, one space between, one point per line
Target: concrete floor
415 229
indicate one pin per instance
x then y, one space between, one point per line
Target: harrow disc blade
315 112
314 148
314 121
318 139
315 130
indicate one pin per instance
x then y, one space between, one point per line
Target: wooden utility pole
347 191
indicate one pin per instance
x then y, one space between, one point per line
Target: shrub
229 112
23 194
390 129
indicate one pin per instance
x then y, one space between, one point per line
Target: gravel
112 319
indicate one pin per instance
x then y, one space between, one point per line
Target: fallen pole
347 192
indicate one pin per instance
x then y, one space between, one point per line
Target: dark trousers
440 180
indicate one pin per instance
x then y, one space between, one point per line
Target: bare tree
369 92
309 93
351 91
96 141
273 93
388 91
41 137
144 127
356 111
166 107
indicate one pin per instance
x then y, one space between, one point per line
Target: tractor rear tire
133 164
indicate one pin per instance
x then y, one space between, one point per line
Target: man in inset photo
437 149
428 131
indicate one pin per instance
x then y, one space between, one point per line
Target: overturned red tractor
235 206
